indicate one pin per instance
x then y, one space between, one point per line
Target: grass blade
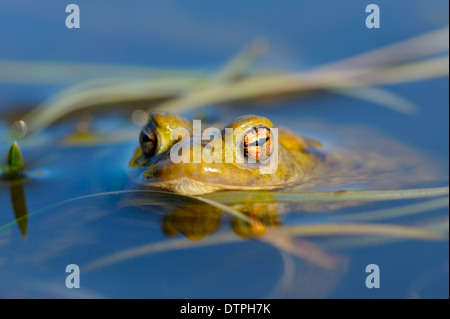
329 196
383 214
365 230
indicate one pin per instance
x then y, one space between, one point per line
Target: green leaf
14 163
327 196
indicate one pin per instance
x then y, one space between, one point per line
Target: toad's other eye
148 140
257 144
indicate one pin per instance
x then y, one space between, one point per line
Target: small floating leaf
14 162
13 173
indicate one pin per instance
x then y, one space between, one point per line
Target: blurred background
203 35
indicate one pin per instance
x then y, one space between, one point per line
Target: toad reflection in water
195 221
303 165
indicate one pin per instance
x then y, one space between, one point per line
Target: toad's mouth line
190 186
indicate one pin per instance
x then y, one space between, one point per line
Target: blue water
204 35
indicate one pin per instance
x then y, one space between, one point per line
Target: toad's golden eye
148 140
258 144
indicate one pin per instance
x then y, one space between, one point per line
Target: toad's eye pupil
147 140
257 144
